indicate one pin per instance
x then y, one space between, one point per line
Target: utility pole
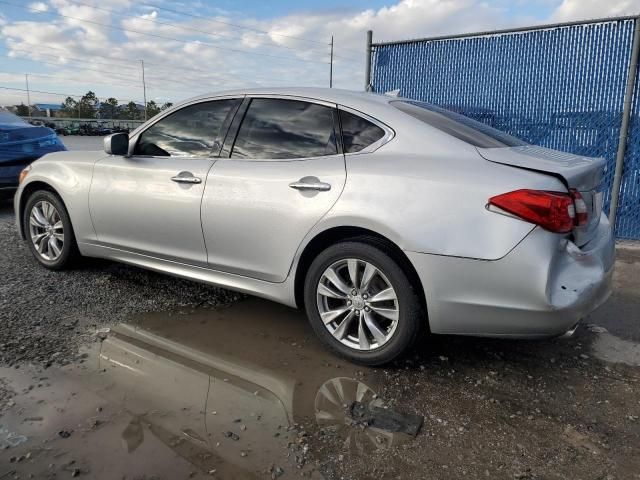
367 68
331 65
624 127
26 77
144 91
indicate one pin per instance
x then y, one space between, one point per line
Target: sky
192 47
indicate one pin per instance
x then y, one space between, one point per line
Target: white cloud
199 55
39 7
581 9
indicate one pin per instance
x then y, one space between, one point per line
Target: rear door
149 203
285 170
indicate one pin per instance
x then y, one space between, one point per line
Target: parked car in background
120 129
102 129
20 144
71 129
86 129
381 216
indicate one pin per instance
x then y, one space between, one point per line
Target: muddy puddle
248 392
237 393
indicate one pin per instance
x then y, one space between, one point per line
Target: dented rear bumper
542 288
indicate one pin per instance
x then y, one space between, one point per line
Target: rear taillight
554 211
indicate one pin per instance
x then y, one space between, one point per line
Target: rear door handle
319 186
186 177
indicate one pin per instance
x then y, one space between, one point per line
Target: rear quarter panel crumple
69 174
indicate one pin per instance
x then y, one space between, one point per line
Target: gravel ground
53 311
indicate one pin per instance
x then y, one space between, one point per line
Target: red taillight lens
553 211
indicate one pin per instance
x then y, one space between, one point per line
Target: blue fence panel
628 216
561 88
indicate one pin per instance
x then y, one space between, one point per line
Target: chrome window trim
271 160
386 138
135 135
298 98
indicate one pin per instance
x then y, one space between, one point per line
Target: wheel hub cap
358 302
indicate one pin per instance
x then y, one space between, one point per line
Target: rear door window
358 133
276 128
190 132
463 128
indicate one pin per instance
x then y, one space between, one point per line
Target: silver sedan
381 216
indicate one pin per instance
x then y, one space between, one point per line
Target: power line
155 86
63 94
256 30
102 72
190 29
55 77
130 61
164 37
80 60
244 27
130 85
116 76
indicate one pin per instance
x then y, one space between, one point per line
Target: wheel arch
339 234
27 191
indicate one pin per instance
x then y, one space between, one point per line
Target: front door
286 170
149 203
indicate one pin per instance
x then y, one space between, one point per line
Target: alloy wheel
357 304
46 230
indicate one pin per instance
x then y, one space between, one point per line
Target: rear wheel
361 303
48 230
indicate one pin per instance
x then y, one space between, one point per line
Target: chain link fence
559 86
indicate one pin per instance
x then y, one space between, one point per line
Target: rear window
358 133
463 128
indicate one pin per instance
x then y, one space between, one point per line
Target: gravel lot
45 314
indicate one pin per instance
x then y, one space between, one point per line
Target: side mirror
117 144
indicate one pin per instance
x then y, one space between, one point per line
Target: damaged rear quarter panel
434 204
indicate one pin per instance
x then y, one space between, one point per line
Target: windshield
463 128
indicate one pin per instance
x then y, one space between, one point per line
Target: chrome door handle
319 186
186 177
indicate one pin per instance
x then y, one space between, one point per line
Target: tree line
90 107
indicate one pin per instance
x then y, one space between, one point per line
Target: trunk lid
583 174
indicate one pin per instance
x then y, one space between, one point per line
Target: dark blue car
20 144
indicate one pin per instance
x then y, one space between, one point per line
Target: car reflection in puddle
236 391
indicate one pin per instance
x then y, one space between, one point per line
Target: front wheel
362 304
48 230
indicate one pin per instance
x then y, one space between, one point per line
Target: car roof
348 98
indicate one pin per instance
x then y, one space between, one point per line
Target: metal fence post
367 69
624 127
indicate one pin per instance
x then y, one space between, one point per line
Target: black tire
411 317
69 251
